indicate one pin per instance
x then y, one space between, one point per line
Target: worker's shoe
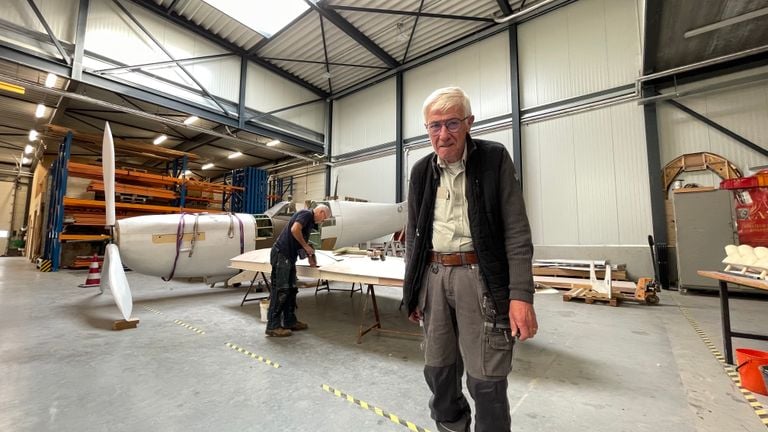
279 332
460 425
299 326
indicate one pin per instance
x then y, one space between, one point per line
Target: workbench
344 268
725 313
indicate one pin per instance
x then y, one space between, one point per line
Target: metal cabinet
703 226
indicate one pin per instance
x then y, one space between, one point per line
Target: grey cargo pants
456 335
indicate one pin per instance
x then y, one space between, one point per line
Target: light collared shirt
450 230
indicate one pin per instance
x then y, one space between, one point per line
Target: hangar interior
637 128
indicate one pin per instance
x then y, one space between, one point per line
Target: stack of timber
576 269
567 274
139 193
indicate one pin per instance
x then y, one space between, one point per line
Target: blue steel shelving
253 198
55 225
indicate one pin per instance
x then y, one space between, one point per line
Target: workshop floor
591 368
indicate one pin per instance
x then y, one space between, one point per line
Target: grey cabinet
703 226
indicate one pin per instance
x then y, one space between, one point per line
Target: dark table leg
725 316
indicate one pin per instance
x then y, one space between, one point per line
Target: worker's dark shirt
286 244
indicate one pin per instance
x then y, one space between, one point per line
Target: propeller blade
108 169
113 276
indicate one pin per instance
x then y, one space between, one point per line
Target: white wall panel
630 158
365 119
742 110
308 182
112 34
61 16
482 70
266 92
582 48
585 178
372 180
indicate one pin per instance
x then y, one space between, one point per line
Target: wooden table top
733 278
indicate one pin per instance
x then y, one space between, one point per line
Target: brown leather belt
453 258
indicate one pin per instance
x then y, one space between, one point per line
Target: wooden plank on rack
97 185
85 203
83 237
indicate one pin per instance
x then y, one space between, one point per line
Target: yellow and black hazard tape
185 325
46 265
157 312
731 371
377 410
253 356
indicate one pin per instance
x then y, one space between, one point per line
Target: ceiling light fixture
726 22
234 155
26 161
160 139
28 149
40 111
207 166
32 135
50 80
191 119
273 143
188 172
13 88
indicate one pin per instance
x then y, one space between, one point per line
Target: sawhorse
327 287
250 288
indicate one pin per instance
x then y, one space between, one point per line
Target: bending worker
468 266
293 240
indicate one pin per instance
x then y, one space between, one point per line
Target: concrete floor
591 367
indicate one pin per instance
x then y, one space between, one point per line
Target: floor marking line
157 312
187 326
730 371
252 355
366 406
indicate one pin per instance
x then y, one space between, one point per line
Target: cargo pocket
497 352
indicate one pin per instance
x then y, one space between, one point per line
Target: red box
750 203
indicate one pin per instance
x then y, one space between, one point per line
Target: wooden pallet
590 296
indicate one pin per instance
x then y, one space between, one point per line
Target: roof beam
352 31
505 10
412 13
183 22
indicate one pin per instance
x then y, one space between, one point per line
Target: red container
750 202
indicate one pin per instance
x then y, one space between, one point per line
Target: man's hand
415 316
522 319
310 250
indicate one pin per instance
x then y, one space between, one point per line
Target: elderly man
292 242
468 266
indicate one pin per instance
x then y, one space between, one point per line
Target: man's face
449 145
320 216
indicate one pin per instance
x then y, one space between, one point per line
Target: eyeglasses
452 125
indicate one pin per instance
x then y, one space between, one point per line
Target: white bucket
264 306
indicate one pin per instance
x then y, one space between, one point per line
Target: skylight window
264 16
